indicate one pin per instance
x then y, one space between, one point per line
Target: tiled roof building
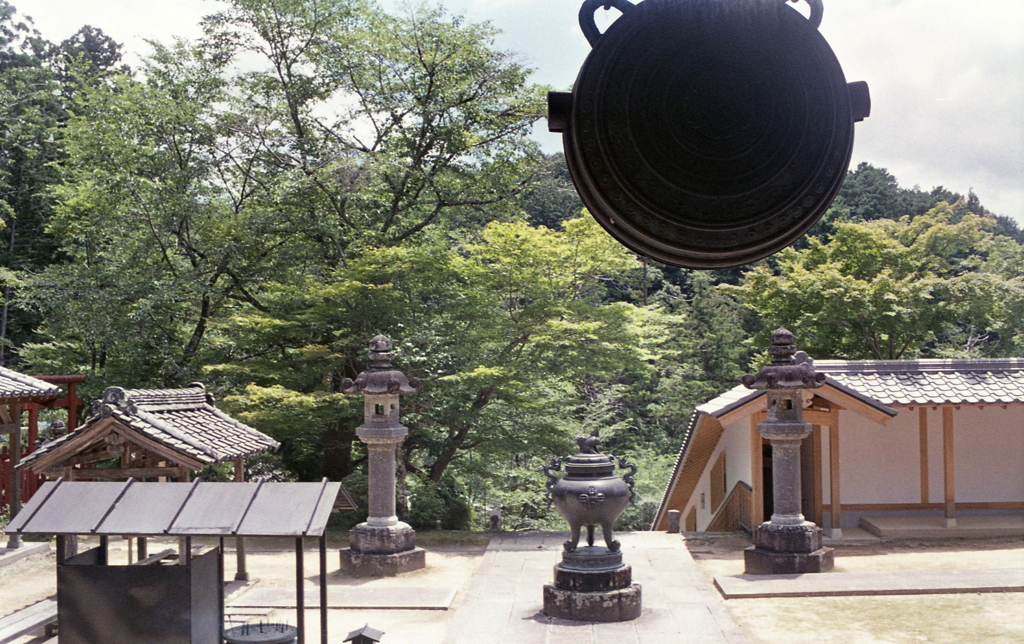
938 436
155 432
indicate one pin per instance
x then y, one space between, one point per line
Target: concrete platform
504 601
399 598
848 584
10 556
851 537
934 527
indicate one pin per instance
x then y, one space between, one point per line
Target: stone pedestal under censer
592 583
788 544
382 545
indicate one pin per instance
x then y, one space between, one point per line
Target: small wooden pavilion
156 435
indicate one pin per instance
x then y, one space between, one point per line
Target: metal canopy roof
178 509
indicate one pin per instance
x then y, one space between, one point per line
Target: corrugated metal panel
214 509
178 509
278 506
72 508
145 508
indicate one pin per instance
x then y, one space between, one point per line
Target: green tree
891 289
190 188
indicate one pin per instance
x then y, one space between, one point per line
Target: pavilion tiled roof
931 382
17 387
184 420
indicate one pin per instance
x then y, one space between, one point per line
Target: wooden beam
816 417
835 500
748 408
123 473
949 467
922 430
846 401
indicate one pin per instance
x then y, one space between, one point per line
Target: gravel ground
963 618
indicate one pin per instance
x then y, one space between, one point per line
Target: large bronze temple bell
708 133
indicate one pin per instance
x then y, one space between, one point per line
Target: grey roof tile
16 387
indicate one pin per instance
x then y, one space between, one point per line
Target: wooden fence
734 512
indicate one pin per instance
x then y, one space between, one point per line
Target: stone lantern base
592 585
787 550
382 551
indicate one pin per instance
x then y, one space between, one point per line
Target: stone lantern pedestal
382 545
788 544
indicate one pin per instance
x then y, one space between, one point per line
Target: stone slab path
847 584
403 598
504 601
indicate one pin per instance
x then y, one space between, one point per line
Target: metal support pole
141 550
104 550
186 558
62 548
323 589
220 582
300 600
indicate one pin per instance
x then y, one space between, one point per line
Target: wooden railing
734 512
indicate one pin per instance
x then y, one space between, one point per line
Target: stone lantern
382 545
788 543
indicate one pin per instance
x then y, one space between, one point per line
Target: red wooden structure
31 481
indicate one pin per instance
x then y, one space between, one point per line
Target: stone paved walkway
503 603
888 582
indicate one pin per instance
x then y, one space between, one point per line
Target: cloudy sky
946 76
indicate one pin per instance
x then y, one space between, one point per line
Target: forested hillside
249 209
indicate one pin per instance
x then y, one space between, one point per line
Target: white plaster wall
735 442
879 463
988 450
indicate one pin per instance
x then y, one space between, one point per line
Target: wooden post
14 500
72 408
104 550
949 467
922 430
835 502
756 475
242 572
819 515
142 548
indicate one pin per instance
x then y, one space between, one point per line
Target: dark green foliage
441 506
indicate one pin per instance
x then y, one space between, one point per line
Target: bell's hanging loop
816 10
588 10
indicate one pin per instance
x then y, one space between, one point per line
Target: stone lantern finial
784 371
381 354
